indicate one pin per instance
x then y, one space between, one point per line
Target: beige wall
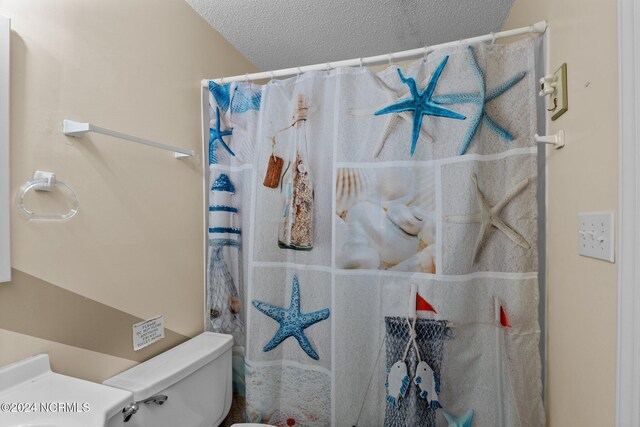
135 249
582 177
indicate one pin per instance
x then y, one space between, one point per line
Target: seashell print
343 232
409 219
393 244
425 197
422 262
358 257
395 185
427 235
356 253
353 186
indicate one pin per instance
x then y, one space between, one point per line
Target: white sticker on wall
148 332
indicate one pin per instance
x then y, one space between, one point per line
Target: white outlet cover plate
596 235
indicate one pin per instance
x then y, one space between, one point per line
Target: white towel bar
78 129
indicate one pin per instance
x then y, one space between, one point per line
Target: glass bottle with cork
296 226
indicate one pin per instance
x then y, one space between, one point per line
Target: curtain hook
273 76
426 51
493 38
329 67
361 63
221 80
246 78
390 58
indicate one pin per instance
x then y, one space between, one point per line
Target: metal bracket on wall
555 87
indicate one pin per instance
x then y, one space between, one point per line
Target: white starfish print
488 217
391 119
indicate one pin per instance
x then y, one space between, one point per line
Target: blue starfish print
216 135
420 103
463 421
292 322
480 99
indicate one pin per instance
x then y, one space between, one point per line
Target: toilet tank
196 378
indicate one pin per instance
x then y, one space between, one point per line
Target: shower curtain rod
538 28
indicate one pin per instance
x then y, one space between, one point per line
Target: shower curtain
417 304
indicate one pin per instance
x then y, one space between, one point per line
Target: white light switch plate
596 235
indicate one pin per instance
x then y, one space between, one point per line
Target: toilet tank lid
158 373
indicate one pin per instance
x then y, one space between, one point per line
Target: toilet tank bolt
158 399
129 410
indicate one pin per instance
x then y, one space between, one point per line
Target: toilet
187 386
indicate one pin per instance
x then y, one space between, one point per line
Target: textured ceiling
277 34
